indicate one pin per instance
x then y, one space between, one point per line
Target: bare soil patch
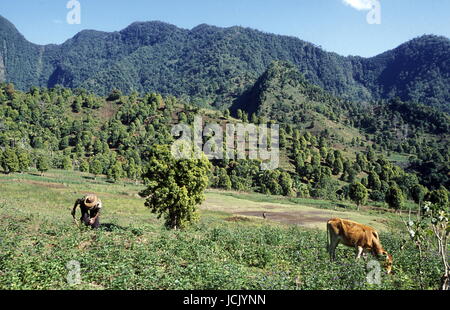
44 184
301 218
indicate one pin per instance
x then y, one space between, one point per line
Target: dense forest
114 135
212 65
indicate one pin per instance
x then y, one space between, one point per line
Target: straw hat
90 201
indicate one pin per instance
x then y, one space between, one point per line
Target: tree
95 167
114 95
115 172
418 193
223 180
395 198
374 181
338 167
254 118
358 193
269 182
9 161
286 184
239 114
67 163
175 187
226 113
84 166
42 164
24 160
134 171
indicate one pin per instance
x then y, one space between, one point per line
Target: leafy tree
134 171
10 161
418 193
358 193
338 167
114 95
223 180
84 166
24 160
115 172
42 164
95 167
374 181
286 184
395 198
239 114
269 182
67 163
174 187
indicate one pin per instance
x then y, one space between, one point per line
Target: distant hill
217 65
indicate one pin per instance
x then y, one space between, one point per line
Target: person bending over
90 207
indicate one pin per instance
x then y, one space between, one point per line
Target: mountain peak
8 29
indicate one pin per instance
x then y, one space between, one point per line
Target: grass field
231 247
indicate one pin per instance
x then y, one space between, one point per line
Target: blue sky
332 24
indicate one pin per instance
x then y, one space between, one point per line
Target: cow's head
389 261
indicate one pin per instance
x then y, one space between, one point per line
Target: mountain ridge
216 65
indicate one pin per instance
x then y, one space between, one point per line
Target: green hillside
216 65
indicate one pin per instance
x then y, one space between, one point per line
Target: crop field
231 247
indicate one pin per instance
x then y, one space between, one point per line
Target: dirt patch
237 219
44 184
291 217
269 207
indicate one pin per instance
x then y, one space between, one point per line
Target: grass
223 250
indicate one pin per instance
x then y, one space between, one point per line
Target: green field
231 247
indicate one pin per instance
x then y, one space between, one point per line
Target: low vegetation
133 250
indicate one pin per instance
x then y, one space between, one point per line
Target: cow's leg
360 252
333 244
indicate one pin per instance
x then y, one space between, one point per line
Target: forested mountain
67 129
217 65
282 94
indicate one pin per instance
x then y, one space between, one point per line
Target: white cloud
360 5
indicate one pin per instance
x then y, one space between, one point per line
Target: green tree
418 193
134 171
67 163
374 181
175 187
24 160
358 193
286 184
239 114
114 95
95 167
115 172
84 165
10 161
223 179
395 198
42 164
338 167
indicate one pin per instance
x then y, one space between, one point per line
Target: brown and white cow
359 236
